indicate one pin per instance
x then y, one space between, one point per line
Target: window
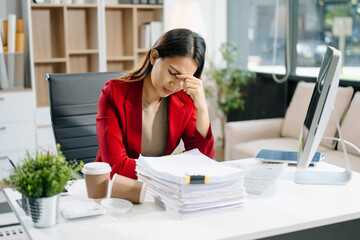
261 37
319 23
335 23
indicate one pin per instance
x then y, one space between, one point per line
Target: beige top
154 128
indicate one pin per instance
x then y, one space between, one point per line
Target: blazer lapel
175 119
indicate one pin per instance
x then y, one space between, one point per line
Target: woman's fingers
190 82
194 87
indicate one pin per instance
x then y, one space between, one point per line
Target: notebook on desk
290 157
78 208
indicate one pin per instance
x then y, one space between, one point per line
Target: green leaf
230 82
43 173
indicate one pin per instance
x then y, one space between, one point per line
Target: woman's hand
195 88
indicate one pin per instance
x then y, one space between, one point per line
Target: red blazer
119 126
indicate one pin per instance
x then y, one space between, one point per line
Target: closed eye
171 73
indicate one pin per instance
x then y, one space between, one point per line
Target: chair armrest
243 131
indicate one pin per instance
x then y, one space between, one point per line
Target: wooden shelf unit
79 63
81 28
65 40
48 32
69 38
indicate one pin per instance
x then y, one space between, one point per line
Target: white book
11 32
156 29
145 36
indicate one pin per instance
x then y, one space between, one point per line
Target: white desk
286 207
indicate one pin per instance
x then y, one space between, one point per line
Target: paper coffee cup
97 175
127 188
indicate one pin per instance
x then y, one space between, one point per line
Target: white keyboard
259 178
80 208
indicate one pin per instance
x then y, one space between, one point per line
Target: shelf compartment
41 85
148 15
50 60
142 50
117 6
48 32
46 5
149 6
145 15
121 58
120 65
141 56
81 28
15 90
88 5
81 63
119 32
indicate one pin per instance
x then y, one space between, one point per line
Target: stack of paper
191 183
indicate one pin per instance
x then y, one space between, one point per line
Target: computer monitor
317 117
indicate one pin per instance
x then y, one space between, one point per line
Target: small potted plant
229 82
41 178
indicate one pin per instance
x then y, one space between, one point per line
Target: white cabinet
16 106
17 126
17 136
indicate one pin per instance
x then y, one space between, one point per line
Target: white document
185 189
198 191
165 178
175 168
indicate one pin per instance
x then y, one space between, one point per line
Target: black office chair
73 108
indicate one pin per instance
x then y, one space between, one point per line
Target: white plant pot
44 211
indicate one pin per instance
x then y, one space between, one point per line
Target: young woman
150 109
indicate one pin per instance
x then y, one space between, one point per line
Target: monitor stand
322 177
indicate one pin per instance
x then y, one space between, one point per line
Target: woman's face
163 74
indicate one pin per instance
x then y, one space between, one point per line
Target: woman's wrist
202 121
202 107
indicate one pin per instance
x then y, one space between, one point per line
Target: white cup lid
96 168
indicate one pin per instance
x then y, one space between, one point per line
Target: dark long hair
176 42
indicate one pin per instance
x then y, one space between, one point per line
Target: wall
214 14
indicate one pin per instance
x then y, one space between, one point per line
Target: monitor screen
320 107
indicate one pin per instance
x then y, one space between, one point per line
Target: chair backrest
73 108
